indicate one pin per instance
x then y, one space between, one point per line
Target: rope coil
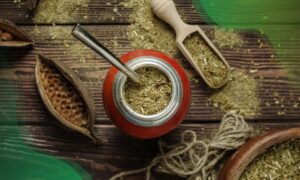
196 159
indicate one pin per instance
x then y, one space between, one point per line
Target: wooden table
122 152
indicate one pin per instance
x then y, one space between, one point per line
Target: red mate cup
136 124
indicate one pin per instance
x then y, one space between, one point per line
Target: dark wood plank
101 12
20 100
118 154
273 82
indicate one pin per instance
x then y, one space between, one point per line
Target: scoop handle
166 10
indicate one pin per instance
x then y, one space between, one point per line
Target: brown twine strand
196 159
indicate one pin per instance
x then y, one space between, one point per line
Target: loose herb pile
227 38
153 95
147 31
239 95
62 36
209 63
279 162
59 11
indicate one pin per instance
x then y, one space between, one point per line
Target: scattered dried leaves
59 11
238 95
62 36
147 31
227 38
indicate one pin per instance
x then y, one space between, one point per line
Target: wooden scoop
166 10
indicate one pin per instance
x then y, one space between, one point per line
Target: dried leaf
65 96
18 37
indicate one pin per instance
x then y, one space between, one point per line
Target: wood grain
120 153
278 94
20 100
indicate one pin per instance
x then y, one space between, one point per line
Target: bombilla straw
99 48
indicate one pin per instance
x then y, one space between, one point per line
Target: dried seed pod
65 96
5 36
18 37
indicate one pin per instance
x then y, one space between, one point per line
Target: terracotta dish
236 165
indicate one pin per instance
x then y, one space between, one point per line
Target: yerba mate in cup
165 83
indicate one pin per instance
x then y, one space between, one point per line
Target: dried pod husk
19 38
65 96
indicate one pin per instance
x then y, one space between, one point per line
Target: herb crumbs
227 38
59 11
238 95
153 95
146 31
61 36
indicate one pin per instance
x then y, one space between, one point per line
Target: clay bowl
236 165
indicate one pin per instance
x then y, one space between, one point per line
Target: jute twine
196 159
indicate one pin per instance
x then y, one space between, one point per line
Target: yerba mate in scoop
166 10
211 66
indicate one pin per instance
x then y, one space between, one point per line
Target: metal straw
99 48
